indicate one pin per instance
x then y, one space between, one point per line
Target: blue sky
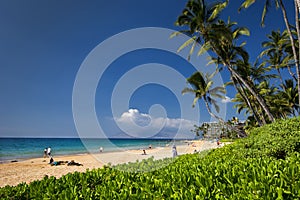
44 43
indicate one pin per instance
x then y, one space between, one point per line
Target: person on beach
174 151
55 163
51 160
144 152
72 163
150 146
45 153
49 151
218 141
101 149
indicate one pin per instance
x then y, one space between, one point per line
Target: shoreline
28 170
7 159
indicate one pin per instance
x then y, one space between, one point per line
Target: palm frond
246 4
177 33
187 43
218 89
215 104
187 90
195 101
240 31
204 48
217 9
265 10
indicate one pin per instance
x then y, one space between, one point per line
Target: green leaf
187 43
217 9
246 4
204 48
175 34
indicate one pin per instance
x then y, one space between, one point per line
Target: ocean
23 148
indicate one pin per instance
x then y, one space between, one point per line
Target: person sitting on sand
51 160
72 162
55 163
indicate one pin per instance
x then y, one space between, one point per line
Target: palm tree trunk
297 9
243 95
292 41
210 112
280 76
257 96
297 4
238 77
260 114
291 73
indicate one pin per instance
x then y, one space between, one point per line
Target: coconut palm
235 58
249 105
289 58
218 37
255 75
275 51
201 87
199 17
290 95
279 4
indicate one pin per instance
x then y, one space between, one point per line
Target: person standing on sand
144 152
49 151
218 141
45 153
174 151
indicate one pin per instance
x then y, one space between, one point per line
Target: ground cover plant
265 165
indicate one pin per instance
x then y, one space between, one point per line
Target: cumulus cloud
226 100
142 125
133 115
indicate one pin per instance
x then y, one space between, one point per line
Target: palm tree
290 95
245 103
279 3
218 37
255 75
199 17
202 88
275 51
289 58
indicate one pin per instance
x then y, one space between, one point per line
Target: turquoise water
22 148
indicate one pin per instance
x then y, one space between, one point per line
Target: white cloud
133 115
142 125
226 100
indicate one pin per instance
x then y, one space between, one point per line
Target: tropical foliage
202 88
264 91
265 165
294 53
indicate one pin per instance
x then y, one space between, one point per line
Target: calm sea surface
21 148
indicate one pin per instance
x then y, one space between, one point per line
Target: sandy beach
13 173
